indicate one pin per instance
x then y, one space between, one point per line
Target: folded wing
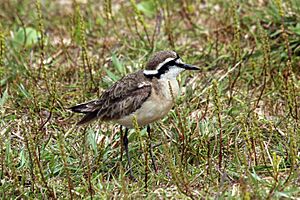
124 97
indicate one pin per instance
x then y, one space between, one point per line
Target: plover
147 94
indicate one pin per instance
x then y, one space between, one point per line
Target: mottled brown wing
124 97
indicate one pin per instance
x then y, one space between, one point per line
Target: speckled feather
121 99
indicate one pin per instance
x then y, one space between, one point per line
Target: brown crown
158 58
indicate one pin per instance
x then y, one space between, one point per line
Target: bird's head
166 64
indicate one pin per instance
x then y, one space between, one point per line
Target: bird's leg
125 142
151 149
122 143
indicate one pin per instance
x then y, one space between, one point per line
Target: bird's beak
189 67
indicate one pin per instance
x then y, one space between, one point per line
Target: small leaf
255 176
282 194
22 159
147 7
111 75
296 29
26 36
24 91
116 62
3 98
92 140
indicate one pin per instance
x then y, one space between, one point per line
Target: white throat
172 73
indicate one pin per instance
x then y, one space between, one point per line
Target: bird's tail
89 117
88 109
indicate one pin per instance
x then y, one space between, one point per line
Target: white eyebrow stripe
162 64
150 72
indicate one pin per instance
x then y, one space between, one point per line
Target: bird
146 95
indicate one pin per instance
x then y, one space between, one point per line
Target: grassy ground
233 134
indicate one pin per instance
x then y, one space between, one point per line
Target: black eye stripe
166 66
172 62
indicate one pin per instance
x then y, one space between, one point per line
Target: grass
233 133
